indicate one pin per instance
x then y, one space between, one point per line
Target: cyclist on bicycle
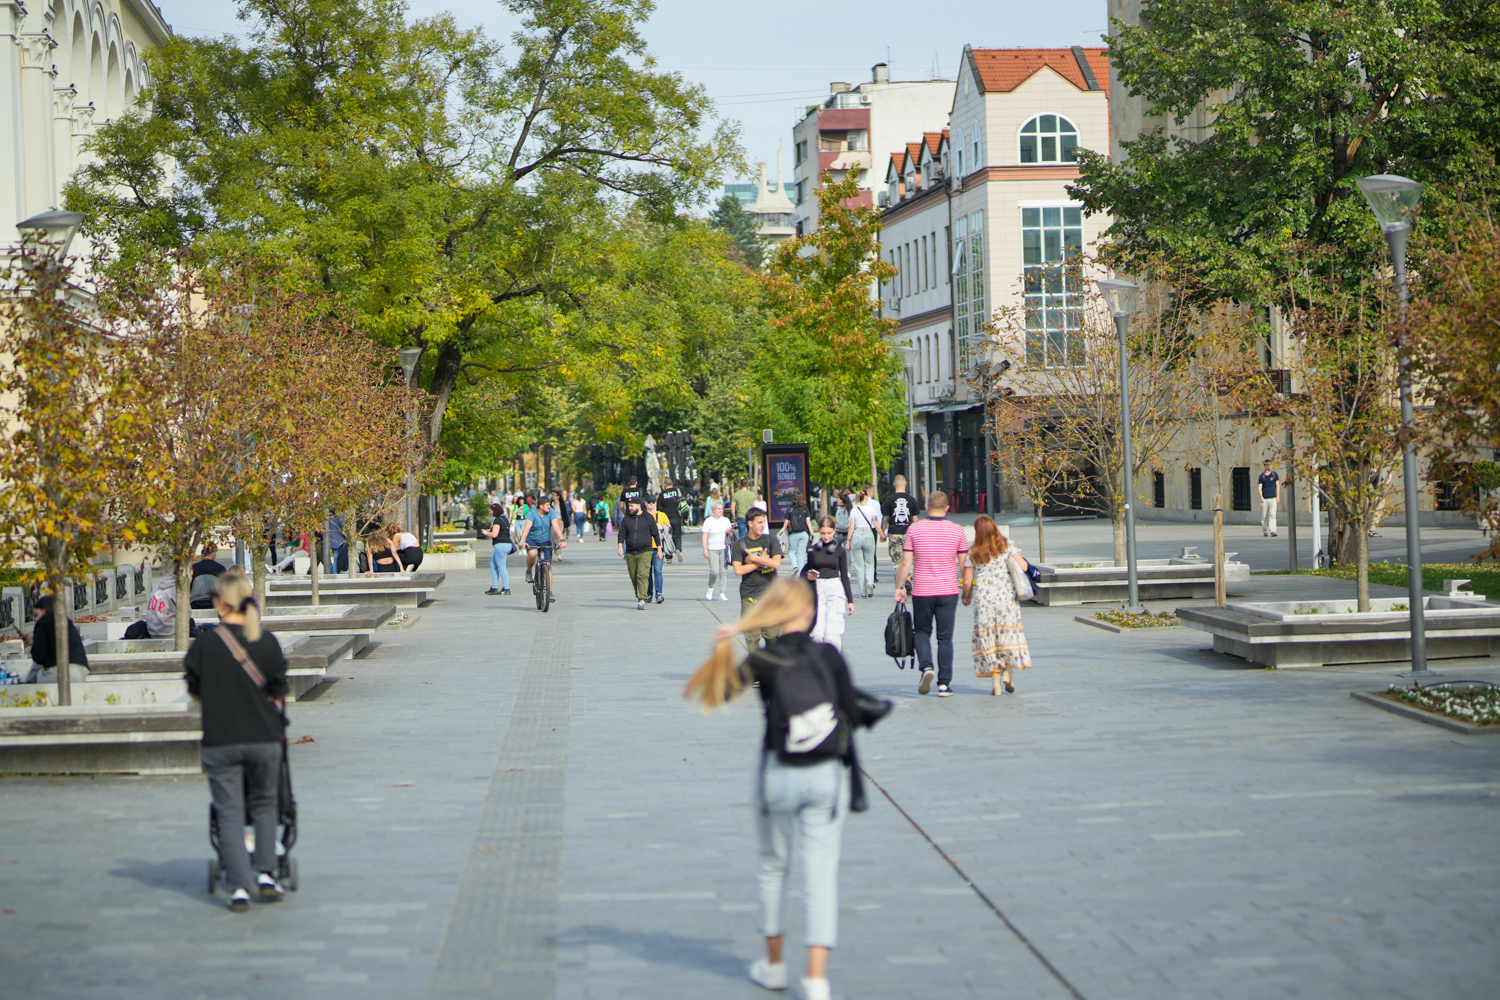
543 529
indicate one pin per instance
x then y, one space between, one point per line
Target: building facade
66 67
768 202
841 134
1004 162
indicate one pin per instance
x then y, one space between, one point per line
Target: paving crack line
1020 936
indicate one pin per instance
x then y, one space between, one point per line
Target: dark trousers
943 609
676 526
341 558
741 528
656 575
411 557
242 778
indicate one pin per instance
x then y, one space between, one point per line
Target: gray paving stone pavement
1159 821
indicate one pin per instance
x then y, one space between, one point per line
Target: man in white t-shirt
716 528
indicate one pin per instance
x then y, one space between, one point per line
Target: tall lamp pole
409 358
1121 296
1394 200
908 355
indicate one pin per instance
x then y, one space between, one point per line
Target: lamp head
1120 295
54 230
409 358
1393 199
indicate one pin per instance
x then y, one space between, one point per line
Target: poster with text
785 468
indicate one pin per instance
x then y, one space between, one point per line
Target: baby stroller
286 818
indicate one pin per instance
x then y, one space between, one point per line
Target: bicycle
541 577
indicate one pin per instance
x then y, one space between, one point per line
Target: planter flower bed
1476 704
1145 619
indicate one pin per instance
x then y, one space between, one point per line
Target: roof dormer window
1049 139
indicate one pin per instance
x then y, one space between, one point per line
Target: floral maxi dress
999 641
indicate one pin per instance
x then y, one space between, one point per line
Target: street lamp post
908 354
1121 297
1394 200
53 230
409 358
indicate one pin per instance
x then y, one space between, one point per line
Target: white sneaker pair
773 977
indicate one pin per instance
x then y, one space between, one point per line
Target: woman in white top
404 544
864 526
580 513
716 529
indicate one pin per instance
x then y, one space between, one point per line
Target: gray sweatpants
807 805
719 572
242 777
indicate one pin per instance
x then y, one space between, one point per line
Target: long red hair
989 543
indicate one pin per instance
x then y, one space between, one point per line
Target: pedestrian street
497 802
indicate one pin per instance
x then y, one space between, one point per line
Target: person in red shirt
932 557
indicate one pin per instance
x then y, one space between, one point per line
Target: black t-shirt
632 494
235 710
669 502
757 582
900 512
1268 482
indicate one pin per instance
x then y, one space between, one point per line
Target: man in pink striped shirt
933 558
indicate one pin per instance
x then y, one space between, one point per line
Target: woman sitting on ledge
383 558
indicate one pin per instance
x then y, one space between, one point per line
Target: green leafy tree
451 191
826 372
730 217
1277 106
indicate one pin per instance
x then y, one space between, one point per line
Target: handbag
900 641
1019 578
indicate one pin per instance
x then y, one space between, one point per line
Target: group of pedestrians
533 525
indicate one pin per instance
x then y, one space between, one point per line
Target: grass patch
1145 619
1483 580
1478 705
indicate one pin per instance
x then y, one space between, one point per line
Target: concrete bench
1157 579
1293 635
104 740
402 590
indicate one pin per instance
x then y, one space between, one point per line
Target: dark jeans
341 558
411 556
943 608
741 528
656 581
676 526
242 778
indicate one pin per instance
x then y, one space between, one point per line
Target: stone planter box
1299 634
1101 581
450 562
161 739
404 590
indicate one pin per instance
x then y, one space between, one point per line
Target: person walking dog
238 673
989 582
933 559
808 780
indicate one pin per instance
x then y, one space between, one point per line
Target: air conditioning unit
883 199
956 183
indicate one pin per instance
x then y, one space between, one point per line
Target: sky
762 63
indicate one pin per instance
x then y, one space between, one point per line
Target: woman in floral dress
999 642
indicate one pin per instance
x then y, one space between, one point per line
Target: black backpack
805 711
900 644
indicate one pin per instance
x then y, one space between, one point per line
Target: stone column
12 164
37 128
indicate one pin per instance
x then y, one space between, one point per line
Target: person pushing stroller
238 673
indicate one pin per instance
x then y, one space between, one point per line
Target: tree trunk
60 643
317 564
1117 523
1361 567
262 557
351 538
183 570
444 379
1041 536
870 440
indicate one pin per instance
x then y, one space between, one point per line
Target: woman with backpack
827 568
499 533
842 508
990 573
808 779
798 532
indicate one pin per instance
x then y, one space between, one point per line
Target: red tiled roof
1004 70
933 139
913 151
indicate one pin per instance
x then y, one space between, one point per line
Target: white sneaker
723 597
710 594
768 976
816 989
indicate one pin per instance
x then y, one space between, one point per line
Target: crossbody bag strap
239 653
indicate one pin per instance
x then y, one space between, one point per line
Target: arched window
1049 139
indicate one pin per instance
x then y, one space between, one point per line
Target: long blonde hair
235 590
719 680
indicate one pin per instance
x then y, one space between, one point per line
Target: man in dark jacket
43 643
638 539
670 501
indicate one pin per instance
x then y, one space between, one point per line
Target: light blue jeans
808 805
797 549
861 561
499 576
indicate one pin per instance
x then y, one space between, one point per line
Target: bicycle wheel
539 584
547 590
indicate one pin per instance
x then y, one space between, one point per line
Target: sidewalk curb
1422 715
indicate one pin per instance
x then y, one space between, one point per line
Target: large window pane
1047 139
1051 241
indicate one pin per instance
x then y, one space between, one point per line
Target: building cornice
915 203
938 315
150 17
1037 172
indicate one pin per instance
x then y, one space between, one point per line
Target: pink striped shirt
935 542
